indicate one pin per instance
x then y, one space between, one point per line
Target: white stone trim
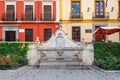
9 28
10 3
57 11
47 3
29 3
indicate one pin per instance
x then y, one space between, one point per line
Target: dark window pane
47 34
29 35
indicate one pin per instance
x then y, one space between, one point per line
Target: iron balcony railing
28 17
9 17
76 16
100 15
47 17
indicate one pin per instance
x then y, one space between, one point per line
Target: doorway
76 33
10 36
99 37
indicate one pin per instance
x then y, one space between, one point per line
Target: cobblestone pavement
30 73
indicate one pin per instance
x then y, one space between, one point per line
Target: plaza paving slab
31 73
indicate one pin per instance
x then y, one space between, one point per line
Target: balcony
100 15
9 17
28 17
76 16
47 17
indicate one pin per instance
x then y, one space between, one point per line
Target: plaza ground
32 73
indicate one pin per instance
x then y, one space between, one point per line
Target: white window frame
57 11
29 3
47 3
10 3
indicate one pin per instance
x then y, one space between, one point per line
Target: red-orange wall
38 9
38 30
28 26
54 10
38 27
2 9
46 26
19 9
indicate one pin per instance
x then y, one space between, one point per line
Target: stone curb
95 67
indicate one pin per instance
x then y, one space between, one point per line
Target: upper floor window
10 13
75 9
28 15
47 13
99 9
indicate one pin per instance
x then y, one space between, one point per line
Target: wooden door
99 37
76 33
47 13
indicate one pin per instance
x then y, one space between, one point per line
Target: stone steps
62 64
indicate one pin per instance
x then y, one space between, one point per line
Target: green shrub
107 55
17 53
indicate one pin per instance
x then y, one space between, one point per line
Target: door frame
10 28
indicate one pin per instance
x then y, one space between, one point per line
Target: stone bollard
33 56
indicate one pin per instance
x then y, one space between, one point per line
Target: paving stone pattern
30 73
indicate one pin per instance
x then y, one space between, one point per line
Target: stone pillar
88 56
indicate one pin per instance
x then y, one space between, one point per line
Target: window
29 35
28 13
99 9
10 13
75 9
76 33
47 34
47 13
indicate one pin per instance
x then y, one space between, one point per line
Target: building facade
25 20
80 18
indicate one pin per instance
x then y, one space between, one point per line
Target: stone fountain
60 48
